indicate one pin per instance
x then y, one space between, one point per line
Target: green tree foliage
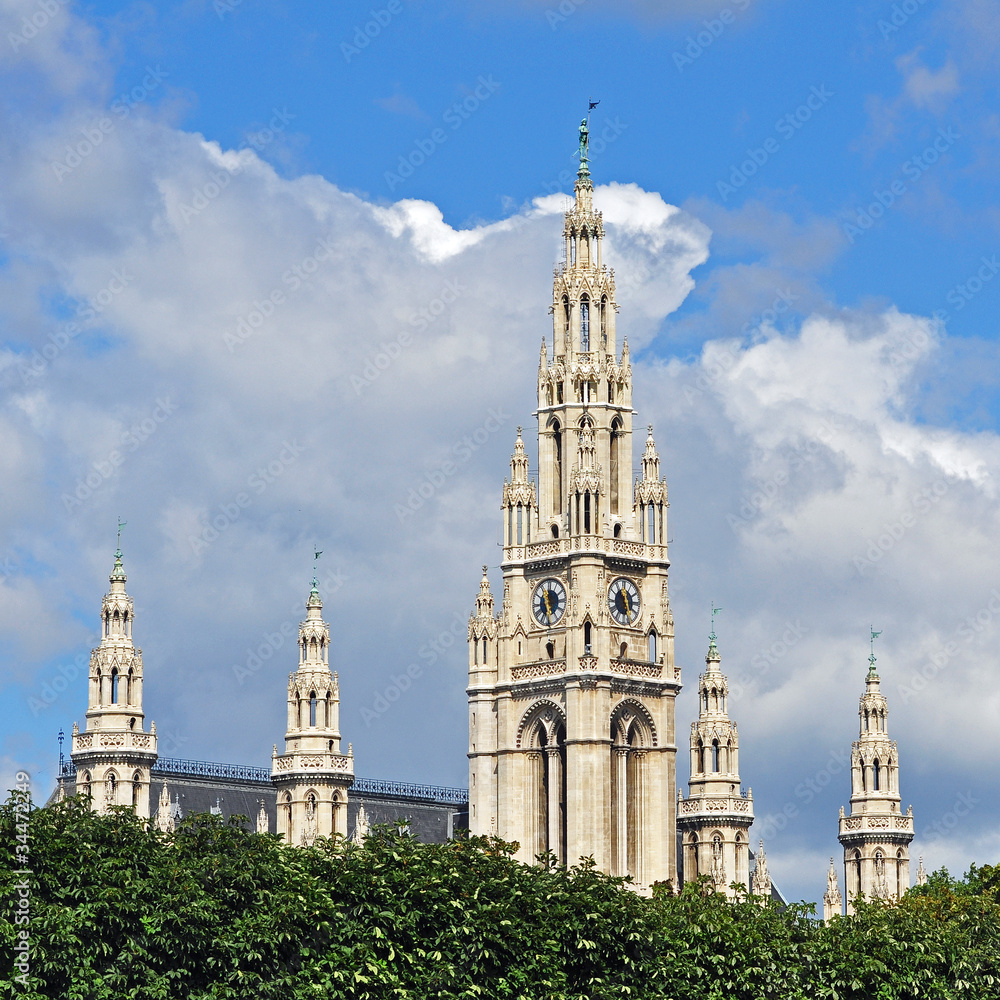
214 911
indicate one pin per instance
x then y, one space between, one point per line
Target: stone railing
720 804
877 822
637 668
549 547
314 761
112 741
540 668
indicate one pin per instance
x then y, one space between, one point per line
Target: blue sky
820 371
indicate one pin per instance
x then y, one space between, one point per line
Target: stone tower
715 818
572 687
876 836
312 776
113 755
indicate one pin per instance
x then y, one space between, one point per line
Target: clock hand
548 609
628 610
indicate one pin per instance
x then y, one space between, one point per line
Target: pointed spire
650 459
263 826
519 461
543 361
832 900
760 884
921 872
484 602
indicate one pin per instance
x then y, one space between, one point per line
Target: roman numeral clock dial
623 601
549 602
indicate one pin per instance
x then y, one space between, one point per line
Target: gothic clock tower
572 686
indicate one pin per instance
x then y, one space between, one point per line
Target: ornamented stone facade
113 755
572 686
312 776
715 818
876 836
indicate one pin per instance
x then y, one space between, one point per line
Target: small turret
832 901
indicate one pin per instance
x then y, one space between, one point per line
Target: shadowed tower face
572 686
114 754
876 836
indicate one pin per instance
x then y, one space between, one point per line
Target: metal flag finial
711 635
121 524
871 658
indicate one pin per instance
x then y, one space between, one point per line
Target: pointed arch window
550 650
312 708
604 326
616 436
557 466
136 789
715 755
587 629
565 303
484 649
114 685
652 646
876 776
585 324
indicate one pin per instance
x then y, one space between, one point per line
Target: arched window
864 776
557 469
652 646
705 699
136 788
866 720
618 530
604 322
286 809
586 636
616 435
585 324
555 530
520 524
128 687
623 650
586 513
701 755
85 785
693 855
312 708
484 649
876 776
715 755
114 686
565 303
550 650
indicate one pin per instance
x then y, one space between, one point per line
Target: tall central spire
572 686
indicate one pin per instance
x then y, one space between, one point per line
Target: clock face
549 602
623 601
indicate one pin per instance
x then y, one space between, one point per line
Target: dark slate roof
432 813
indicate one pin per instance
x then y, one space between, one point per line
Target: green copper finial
584 149
871 658
712 648
316 554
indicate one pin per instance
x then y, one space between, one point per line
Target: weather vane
711 635
316 554
121 524
871 658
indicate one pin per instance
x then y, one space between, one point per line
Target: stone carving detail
853 823
624 547
544 668
636 668
878 822
113 740
311 760
85 742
